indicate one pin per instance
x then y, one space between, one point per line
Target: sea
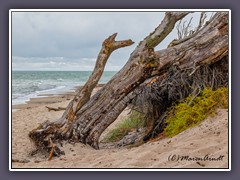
30 84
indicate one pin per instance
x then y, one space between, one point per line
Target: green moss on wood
152 42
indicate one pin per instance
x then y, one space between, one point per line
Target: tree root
44 136
52 150
158 96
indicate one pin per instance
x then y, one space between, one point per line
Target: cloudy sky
72 40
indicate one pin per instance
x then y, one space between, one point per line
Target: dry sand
210 139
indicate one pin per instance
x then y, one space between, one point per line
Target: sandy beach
208 141
174 71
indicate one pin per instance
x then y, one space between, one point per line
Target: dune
203 146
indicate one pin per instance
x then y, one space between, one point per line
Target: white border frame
119 10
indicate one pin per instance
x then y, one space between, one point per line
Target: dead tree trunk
85 120
84 93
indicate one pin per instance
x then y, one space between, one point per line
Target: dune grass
134 121
185 114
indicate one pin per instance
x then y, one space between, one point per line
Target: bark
84 93
207 46
61 126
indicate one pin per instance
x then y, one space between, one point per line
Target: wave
49 90
26 85
18 98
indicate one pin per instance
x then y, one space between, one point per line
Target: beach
203 146
176 79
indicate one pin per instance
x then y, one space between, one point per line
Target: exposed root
160 93
52 150
44 137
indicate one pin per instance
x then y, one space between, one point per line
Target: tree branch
164 28
83 95
212 45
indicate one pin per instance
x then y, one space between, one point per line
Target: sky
71 41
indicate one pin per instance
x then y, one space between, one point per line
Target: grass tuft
131 123
184 115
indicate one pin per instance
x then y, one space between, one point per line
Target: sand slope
209 138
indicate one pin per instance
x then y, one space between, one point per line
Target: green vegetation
151 43
189 113
131 123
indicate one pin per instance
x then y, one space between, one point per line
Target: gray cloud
72 40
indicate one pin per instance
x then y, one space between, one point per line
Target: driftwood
86 118
55 109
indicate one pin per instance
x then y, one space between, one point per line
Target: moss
151 43
131 123
183 116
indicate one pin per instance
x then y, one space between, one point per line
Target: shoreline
51 98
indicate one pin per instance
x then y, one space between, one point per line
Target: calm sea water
28 84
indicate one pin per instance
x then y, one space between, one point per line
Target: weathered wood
207 46
84 93
55 109
104 107
62 125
